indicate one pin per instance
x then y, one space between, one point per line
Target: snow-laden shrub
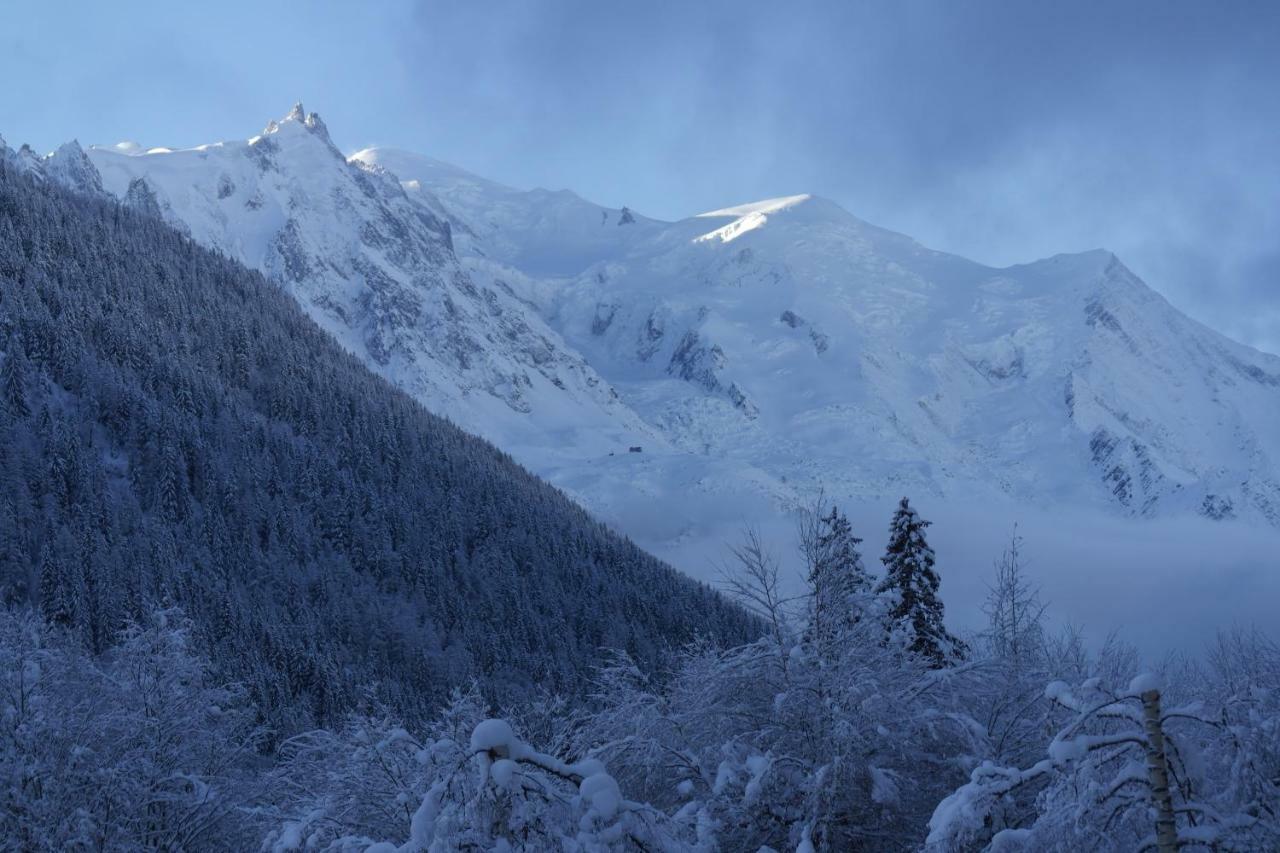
1126 772
843 747
133 750
472 784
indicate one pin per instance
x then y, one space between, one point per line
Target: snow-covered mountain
379 272
819 349
540 232
756 353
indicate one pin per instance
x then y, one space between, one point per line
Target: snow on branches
1121 772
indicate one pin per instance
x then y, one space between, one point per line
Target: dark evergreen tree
910 586
15 577
839 584
57 589
13 377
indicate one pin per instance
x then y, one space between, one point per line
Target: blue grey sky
1001 130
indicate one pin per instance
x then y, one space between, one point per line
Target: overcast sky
1003 131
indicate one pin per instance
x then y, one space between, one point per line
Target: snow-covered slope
540 232
68 165
795 343
379 272
861 359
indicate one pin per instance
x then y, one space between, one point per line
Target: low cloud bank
1164 585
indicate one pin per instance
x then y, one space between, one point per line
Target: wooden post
1158 774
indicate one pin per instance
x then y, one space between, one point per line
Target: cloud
1004 131
1166 585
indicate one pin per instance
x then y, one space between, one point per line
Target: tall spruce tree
911 587
839 584
13 377
57 596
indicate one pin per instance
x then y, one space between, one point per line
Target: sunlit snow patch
748 217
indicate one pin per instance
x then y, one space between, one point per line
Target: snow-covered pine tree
13 376
57 595
910 586
1021 658
839 585
1015 628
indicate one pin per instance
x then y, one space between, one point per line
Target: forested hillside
175 432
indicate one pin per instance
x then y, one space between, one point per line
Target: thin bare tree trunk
1158 774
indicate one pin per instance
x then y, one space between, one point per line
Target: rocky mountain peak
70 165
316 126
377 270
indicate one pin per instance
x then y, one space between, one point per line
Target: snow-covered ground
761 353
